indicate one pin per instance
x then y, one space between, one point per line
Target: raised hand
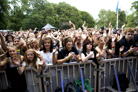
55 49
37 52
121 48
16 61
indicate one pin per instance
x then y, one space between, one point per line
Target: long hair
51 44
34 40
85 43
28 61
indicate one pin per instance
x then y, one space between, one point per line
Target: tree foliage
3 11
106 16
132 19
37 13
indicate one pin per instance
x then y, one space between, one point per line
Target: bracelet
18 68
39 66
68 58
129 51
120 53
104 47
40 56
18 50
98 58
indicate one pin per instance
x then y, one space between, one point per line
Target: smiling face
47 43
16 42
79 38
33 44
10 38
101 41
12 51
89 46
30 55
69 44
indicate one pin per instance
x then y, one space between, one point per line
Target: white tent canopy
48 26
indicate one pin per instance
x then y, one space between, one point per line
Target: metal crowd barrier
129 66
33 82
61 75
100 77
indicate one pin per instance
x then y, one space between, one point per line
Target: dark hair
85 43
8 36
109 42
51 44
35 32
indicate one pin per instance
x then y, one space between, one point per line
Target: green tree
121 18
3 11
131 22
110 16
36 13
88 18
132 19
105 17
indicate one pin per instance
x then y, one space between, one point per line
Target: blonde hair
34 40
28 61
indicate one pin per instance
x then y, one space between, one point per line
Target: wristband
39 66
129 51
17 68
120 53
18 50
98 58
40 56
68 58
104 47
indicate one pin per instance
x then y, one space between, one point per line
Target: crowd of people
39 49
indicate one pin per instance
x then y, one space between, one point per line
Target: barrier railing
33 82
55 76
107 73
69 73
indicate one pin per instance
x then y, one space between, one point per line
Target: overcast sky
94 6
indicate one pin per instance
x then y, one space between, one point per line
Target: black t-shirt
64 53
17 81
127 45
93 59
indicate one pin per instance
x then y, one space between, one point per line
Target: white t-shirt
47 57
37 62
